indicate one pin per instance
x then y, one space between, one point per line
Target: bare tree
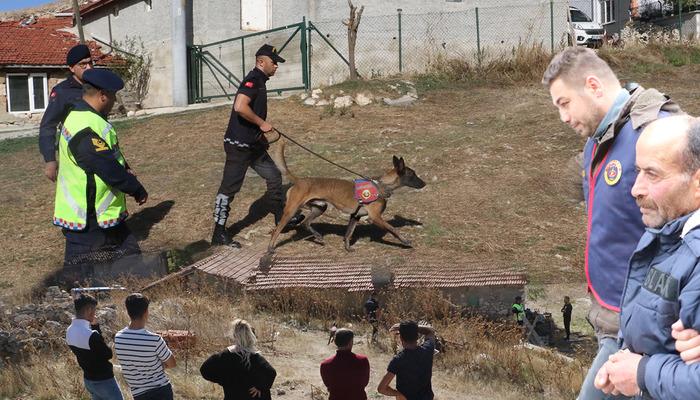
353 23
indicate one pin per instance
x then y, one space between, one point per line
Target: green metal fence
217 69
317 51
393 44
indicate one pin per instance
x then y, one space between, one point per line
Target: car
585 31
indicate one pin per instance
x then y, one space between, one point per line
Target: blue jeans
161 393
107 389
607 346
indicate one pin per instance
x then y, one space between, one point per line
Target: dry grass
480 359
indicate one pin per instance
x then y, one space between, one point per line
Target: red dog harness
366 191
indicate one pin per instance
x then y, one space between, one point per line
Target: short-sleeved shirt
141 354
241 132
414 369
371 307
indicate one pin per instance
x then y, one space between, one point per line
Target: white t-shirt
141 354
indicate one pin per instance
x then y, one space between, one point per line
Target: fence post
400 43
478 37
680 20
309 49
304 55
551 24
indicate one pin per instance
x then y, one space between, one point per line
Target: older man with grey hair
662 292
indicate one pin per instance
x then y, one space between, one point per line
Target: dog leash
320 156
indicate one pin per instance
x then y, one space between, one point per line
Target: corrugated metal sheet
351 275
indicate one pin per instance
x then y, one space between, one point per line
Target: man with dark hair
143 354
591 100
94 177
63 96
84 338
664 274
345 374
413 366
246 146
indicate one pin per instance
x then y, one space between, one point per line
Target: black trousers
567 325
238 160
95 244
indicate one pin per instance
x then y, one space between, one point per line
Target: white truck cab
585 31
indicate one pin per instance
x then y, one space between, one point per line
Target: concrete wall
690 27
153 27
495 301
54 76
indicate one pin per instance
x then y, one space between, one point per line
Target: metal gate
215 70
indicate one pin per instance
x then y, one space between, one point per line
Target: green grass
18 144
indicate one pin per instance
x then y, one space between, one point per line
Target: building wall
690 27
54 76
153 27
495 301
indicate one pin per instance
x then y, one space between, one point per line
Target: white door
255 15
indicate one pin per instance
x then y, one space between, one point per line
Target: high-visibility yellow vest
520 314
71 185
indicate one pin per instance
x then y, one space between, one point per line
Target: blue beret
77 53
103 79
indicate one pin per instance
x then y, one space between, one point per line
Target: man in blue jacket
663 281
592 101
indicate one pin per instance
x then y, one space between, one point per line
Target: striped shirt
141 354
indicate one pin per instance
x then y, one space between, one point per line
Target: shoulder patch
53 93
99 144
248 84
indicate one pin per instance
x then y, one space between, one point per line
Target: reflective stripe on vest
71 189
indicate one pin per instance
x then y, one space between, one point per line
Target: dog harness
366 191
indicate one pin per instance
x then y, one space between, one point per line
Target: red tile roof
44 42
354 275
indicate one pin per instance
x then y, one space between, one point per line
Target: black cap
77 53
270 51
103 79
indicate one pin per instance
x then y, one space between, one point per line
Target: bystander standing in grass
345 374
240 369
84 338
143 355
566 311
413 366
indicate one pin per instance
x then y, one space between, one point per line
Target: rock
412 92
310 101
342 102
303 96
402 101
106 315
316 93
323 102
362 100
18 319
140 113
281 392
53 328
131 113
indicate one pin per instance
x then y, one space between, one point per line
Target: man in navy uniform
62 97
94 176
246 146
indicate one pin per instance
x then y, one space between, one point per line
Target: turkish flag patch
248 84
53 93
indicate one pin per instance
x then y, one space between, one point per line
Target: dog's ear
396 162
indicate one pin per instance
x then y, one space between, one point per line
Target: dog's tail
277 156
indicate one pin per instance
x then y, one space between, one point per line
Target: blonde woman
240 369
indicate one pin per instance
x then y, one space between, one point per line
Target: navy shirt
96 158
63 96
241 132
414 369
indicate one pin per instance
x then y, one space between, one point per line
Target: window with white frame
607 11
26 92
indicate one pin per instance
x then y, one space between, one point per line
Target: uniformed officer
61 98
94 176
246 146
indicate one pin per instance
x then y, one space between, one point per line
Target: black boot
221 238
297 219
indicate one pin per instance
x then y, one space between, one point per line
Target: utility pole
78 21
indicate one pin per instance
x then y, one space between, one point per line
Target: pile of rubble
341 100
42 326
